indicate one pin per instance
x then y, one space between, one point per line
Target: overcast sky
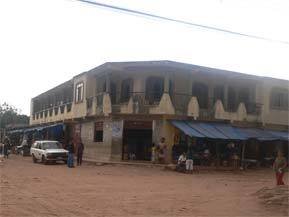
46 42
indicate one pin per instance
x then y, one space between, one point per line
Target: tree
9 115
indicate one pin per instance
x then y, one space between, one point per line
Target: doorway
137 145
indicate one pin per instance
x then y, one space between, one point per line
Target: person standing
6 147
190 158
70 149
162 151
279 167
176 150
153 153
181 163
5 150
80 149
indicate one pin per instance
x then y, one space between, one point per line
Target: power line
211 28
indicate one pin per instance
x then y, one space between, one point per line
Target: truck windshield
51 145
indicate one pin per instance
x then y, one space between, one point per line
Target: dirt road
29 189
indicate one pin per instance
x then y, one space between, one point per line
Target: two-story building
123 107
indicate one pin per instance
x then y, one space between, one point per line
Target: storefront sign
98 126
117 129
138 125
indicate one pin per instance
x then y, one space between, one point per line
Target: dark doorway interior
137 144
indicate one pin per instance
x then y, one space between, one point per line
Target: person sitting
206 157
181 166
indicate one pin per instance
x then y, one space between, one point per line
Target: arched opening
232 99
126 90
154 89
201 91
219 93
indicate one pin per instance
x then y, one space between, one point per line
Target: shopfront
137 140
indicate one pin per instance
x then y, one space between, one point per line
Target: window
68 107
232 100
219 93
50 112
154 89
126 90
279 99
244 97
56 110
89 102
101 85
171 88
79 92
113 92
200 91
62 109
98 132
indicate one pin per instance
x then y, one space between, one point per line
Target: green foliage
9 115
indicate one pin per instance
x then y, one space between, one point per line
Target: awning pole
218 154
243 153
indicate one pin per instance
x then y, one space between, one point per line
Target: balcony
182 104
52 114
133 103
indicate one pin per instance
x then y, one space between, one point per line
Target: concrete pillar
94 105
162 128
31 111
193 108
106 105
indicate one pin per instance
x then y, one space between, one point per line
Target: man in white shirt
181 166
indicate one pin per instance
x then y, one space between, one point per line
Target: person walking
70 149
80 149
279 167
5 150
6 147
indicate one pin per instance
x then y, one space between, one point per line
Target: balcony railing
143 98
48 112
143 101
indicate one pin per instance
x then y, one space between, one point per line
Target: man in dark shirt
175 152
70 149
6 147
80 148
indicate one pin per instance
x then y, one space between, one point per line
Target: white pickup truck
48 151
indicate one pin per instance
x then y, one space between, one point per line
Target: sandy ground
29 189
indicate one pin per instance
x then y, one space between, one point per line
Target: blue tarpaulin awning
254 133
282 135
181 125
227 132
207 130
40 128
199 129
